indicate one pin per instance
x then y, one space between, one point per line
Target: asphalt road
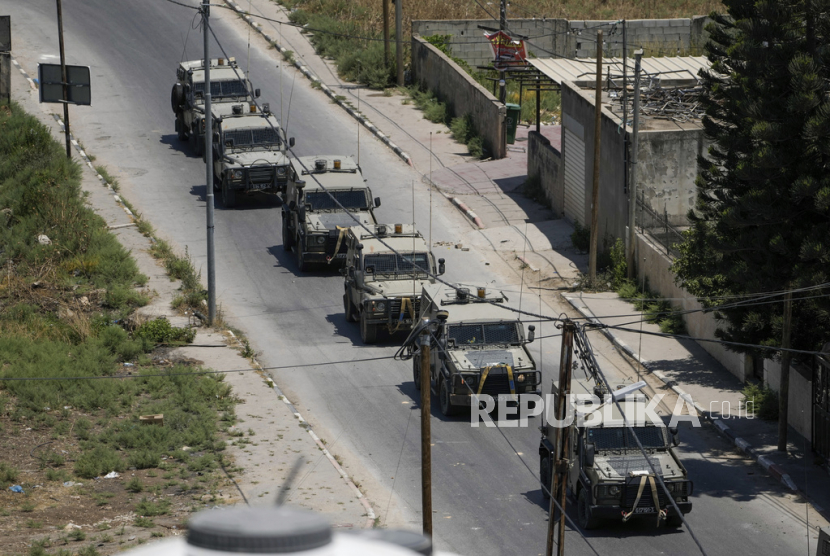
486 500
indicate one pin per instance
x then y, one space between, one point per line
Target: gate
821 404
573 150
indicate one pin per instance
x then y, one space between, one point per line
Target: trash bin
514 112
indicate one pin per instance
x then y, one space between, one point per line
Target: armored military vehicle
249 155
607 473
479 347
188 96
313 224
383 289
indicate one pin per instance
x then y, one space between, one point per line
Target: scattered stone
70 527
43 239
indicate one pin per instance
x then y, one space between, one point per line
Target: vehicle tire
368 332
583 511
302 266
287 238
674 521
545 477
228 194
416 371
447 408
197 145
181 133
176 97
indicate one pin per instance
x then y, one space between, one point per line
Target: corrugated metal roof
584 69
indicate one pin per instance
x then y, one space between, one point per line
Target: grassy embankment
65 311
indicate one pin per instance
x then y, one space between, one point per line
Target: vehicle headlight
614 490
281 171
321 240
520 378
380 306
237 174
203 125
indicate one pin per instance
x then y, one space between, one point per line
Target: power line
280 367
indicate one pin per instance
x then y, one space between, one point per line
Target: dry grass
368 14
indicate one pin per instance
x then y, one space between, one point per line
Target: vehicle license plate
642 510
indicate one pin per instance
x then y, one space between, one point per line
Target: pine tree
762 217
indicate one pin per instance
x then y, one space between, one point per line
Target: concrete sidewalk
688 369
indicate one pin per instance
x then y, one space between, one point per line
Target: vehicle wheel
217 183
287 238
349 308
302 266
545 476
180 131
228 194
416 371
368 332
586 520
447 408
198 146
674 521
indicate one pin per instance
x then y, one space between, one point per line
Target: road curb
466 210
325 88
773 469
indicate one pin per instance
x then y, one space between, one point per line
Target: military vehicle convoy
383 289
249 155
607 473
479 347
313 225
188 96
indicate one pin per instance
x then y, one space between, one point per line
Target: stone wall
572 39
433 71
545 163
800 412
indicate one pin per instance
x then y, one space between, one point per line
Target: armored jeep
313 224
383 289
249 155
479 347
188 96
608 475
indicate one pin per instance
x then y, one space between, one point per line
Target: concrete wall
660 280
572 39
666 170
433 71
801 391
613 202
545 162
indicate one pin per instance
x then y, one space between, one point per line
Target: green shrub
8 473
144 459
760 400
463 130
146 508
98 461
145 522
619 265
57 475
134 485
88 550
161 331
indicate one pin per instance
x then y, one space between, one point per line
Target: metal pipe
211 272
65 83
592 256
426 434
632 182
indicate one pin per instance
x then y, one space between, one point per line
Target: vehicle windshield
484 333
414 264
321 200
261 136
619 438
219 89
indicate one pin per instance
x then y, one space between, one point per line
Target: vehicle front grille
262 175
632 484
331 243
395 309
495 384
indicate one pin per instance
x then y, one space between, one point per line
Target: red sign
507 52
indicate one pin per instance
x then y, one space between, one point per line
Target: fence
658 228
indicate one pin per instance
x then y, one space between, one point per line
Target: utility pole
426 434
209 171
632 182
784 388
65 83
503 28
399 39
592 257
559 484
625 105
385 32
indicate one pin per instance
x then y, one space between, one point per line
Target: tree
761 222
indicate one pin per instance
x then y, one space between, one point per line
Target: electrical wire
280 367
184 5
